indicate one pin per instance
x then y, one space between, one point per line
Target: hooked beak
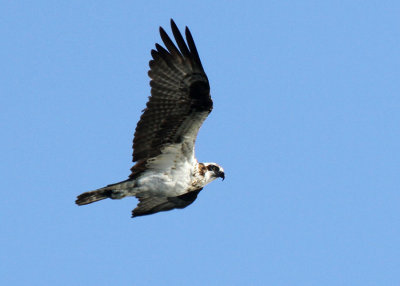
221 175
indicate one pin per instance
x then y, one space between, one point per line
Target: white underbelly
163 185
168 174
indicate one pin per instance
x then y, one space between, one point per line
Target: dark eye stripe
213 168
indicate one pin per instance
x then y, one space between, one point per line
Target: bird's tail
92 196
114 191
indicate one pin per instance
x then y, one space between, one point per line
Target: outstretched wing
151 205
179 103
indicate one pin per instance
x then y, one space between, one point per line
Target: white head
211 171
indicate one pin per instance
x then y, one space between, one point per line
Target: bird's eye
213 168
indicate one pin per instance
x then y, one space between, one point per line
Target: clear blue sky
305 123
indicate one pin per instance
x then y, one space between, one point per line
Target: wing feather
193 48
180 41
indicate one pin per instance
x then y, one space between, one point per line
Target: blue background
305 123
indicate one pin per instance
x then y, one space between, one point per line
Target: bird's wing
179 103
153 204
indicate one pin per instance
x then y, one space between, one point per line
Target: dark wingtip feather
169 44
179 40
162 31
172 22
163 53
192 47
154 54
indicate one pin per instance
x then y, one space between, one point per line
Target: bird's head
213 171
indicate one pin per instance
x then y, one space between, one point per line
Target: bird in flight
166 175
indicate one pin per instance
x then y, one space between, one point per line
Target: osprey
166 174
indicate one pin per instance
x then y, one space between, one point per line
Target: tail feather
93 196
113 191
